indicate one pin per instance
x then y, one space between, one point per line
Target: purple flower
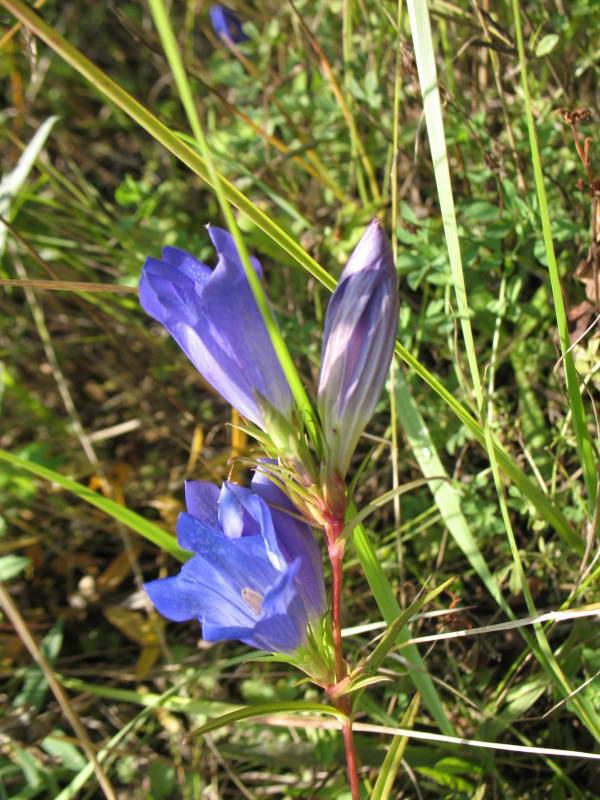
358 341
213 317
257 574
226 24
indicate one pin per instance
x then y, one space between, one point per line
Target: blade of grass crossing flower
165 30
391 763
394 241
582 436
425 57
547 509
144 527
390 611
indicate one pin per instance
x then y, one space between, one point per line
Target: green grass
330 115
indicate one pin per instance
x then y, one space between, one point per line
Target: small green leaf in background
163 780
11 566
546 44
35 685
58 746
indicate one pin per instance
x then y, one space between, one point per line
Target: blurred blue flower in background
257 574
227 25
214 318
358 342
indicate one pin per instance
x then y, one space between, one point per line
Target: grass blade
144 527
582 436
391 763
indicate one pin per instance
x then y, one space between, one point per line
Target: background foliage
92 389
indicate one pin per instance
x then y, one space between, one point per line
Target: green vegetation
465 132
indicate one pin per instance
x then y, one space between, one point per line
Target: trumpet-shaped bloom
214 318
257 574
358 342
226 24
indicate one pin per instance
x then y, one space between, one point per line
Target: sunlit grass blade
391 763
169 43
447 496
582 435
144 527
432 107
12 181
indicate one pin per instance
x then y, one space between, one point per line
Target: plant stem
335 547
351 764
336 556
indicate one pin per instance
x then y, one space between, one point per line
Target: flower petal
358 343
282 626
295 541
251 515
201 501
216 582
226 24
214 318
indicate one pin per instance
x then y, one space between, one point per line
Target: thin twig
69 286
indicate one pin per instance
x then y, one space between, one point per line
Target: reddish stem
335 546
336 556
351 763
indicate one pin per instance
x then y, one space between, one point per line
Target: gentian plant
257 573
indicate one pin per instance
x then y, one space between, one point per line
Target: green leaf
11 566
163 780
390 637
546 44
266 709
69 756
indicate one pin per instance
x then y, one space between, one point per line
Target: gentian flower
358 341
214 318
226 24
257 574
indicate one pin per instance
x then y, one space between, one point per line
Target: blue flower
257 573
213 317
226 24
358 342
